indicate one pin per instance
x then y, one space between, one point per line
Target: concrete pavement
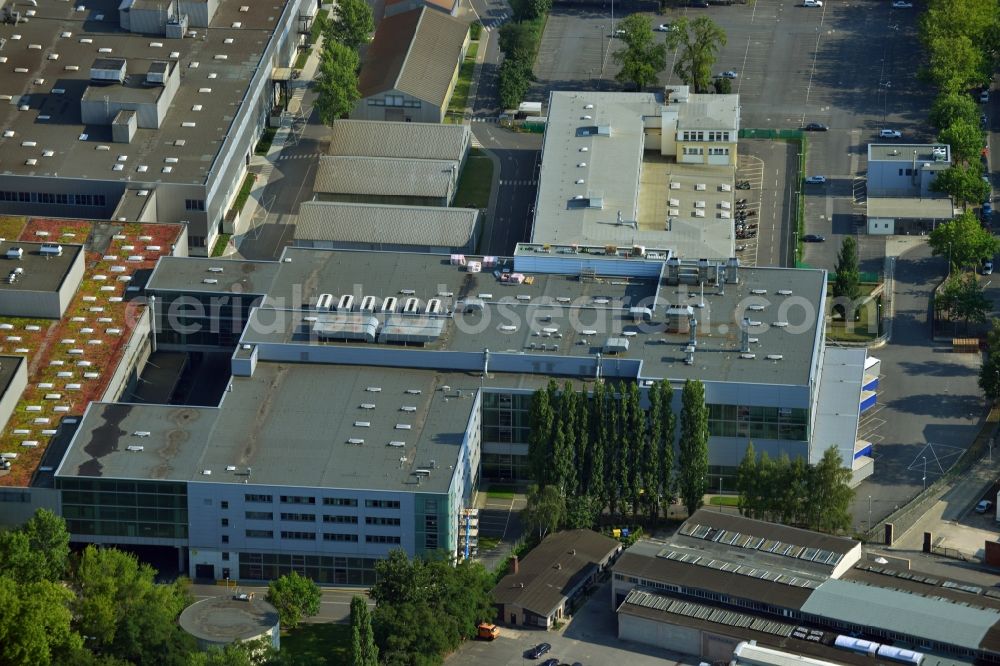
335 605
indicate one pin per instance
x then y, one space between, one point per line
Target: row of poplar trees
604 451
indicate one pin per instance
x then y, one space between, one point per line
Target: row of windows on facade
701 136
194 204
327 501
311 536
311 518
52 198
394 100
693 150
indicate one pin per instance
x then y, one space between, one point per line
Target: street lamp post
869 512
925 472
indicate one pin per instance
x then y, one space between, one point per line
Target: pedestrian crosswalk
483 119
301 156
476 143
517 183
493 21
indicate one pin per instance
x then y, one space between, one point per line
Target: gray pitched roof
381 138
378 176
549 572
414 52
932 618
395 225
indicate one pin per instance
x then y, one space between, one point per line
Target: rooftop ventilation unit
362 424
412 306
345 303
397 443
367 405
210 281
389 304
433 306
374 389
774 357
367 304
324 301
51 250
356 440
215 269
413 391
141 433
403 426
407 408
407 292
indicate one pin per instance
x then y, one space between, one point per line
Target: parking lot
591 638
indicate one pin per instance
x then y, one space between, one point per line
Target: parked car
890 134
620 33
665 27
984 96
539 650
812 3
987 209
813 238
902 4
550 662
815 127
987 267
984 506
816 180
728 74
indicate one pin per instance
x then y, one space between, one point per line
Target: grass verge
266 138
500 491
241 198
319 643
724 500
460 98
476 181
221 243
865 329
11 226
488 543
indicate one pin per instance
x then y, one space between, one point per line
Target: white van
890 134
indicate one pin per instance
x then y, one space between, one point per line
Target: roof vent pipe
693 324
745 336
486 362
732 271
597 376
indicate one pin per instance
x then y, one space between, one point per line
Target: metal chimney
486 362
693 326
598 374
745 336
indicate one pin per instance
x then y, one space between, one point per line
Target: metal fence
770 134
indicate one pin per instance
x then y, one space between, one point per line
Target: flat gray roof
382 176
839 400
908 152
58 29
41 272
582 313
433 226
188 274
912 208
381 138
598 185
292 425
8 368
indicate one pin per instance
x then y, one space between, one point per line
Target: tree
597 467
830 494
955 63
693 462
39 550
35 624
963 182
528 10
337 82
747 478
951 107
847 286
963 240
723 86
963 298
515 79
352 24
364 652
643 58
633 445
541 419
545 510
699 42
965 139
295 597
564 443
125 612
665 456
259 652
989 372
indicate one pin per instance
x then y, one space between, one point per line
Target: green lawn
857 331
324 643
488 543
461 95
499 491
724 500
220 245
244 193
475 183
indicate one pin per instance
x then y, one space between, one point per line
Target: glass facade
115 508
216 320
757 422
320 568
505 420
430 523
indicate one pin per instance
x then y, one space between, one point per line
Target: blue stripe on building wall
867 451
868 403
872 386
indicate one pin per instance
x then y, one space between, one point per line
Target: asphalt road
335 605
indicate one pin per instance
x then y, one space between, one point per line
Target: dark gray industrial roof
61 133
291 424
548 573
41 272
385 177
588 313
8 368
188 274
